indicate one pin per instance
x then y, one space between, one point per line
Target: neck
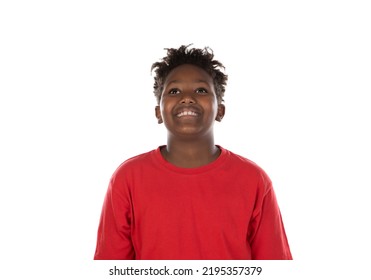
190 154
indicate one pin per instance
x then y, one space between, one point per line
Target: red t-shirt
224 210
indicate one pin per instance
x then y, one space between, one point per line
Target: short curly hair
203 58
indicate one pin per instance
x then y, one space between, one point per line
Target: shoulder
137 160
243 165
134 164
242 161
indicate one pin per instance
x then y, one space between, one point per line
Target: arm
114 232
267 235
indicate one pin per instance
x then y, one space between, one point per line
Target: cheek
213 107
165 109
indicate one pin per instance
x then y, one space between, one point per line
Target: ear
221 112
158 114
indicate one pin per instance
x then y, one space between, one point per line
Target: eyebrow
195 81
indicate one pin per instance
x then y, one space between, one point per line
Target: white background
76 100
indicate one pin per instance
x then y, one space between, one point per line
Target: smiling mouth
187 113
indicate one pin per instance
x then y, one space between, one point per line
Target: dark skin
189 107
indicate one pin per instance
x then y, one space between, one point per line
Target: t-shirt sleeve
114 231
267 236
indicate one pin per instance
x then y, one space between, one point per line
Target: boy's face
188 105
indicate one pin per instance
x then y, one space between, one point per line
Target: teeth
187 113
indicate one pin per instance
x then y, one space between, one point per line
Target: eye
174 91
201 91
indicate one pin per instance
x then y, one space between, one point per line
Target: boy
190 199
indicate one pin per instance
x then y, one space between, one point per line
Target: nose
188 98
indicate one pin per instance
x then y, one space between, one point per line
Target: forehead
188 73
